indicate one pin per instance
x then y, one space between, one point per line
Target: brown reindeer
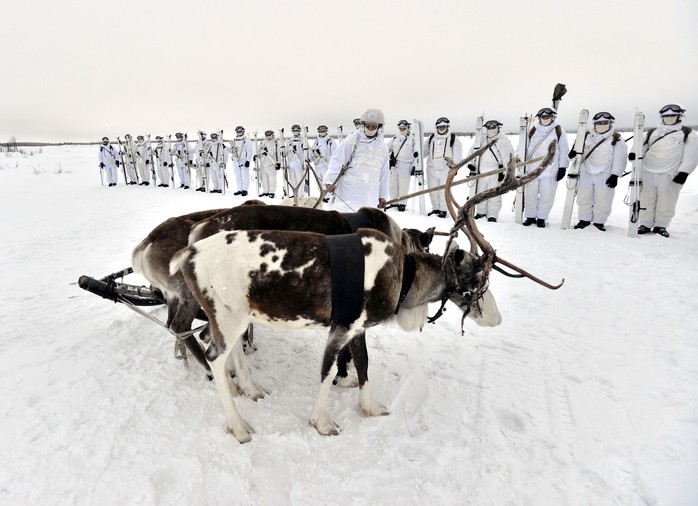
152 255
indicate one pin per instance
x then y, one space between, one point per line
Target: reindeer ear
426 237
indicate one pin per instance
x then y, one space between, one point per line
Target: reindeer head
467 287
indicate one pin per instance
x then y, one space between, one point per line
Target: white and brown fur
282 279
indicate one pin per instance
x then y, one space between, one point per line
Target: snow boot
661 231
643 230
528 222
600 226
582 224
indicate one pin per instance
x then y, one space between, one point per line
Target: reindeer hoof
253 391
243 433
377 410
326 427
374 409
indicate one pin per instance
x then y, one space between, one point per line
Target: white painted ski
573 172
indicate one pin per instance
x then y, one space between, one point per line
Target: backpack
685 129
450 143
453 139
558 132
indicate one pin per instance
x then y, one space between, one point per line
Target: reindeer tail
178 260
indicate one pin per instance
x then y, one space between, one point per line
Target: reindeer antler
465 221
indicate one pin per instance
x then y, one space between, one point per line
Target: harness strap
347 277
356 221
179 335
409 270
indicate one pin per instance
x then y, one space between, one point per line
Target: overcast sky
76 70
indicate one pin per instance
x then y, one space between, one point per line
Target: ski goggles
492 124
603 116
671 110
546 111
443 121
269 133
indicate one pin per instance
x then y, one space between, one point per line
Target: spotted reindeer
282 279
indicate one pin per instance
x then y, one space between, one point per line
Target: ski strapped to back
575 166
418 134
472 187
306 158
255 158
123 161
632 199
150 160
522 154
284 163
170 161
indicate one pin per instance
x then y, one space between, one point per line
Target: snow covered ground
583 396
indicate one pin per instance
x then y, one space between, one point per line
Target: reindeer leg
318 416
342 379
366 401
181 322
234 422
242 373
180 351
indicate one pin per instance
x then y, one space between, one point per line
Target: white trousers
437 177
182 172
242 176
268 177
539 197
658 197
594 198
143 169
111 172
490 207
400 180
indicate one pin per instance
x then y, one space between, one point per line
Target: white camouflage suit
109 157
242 153
665 155
162 155
295 158
181 151
403 149
436 148
202 156
496 157
218 157
269 158
594 197
367 176
142 153
129 152
540 193
323 149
